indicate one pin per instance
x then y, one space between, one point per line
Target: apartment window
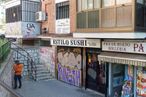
107 3
140 13
90 4
84 4
93 19
81 20
62 10
13 14
140 1
123 1
96 4
79 5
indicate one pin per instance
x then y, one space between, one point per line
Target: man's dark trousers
17 78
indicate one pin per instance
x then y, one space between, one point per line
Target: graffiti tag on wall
69 75
47 57
69 65
30 29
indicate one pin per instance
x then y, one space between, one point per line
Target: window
140 1
107 3
84 4
13 14
79 5
123 1
90 4
96 4
62 10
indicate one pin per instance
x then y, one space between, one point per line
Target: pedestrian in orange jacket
17 68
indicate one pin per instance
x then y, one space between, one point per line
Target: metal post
135 81
110 80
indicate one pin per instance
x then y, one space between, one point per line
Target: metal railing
31 66
6 90
4 50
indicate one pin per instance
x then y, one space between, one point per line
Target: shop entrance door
95 74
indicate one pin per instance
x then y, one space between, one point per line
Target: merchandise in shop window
141 81
127 87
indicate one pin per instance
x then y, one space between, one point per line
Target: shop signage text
131 47
76 42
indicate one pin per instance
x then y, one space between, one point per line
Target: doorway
95 73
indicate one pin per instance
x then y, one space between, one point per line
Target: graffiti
71 76
69 65
13 28
47 56
30 29
70 57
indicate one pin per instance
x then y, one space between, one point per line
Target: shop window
141 82
107 3
122 80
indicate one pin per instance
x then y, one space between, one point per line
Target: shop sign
95 43
63 26
125 46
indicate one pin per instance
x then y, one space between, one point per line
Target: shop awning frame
122 58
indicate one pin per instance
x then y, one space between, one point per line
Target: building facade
99 44
120 27
20 20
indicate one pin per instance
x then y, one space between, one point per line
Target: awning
121 58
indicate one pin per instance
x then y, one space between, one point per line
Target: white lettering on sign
131 47
76 42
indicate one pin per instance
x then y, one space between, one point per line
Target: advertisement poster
128 82
69 65
141 81
63 26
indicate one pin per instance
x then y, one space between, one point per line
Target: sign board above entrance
125 46
94 43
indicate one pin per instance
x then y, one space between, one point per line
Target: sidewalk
52 88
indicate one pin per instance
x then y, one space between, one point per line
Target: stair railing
31 64
6 90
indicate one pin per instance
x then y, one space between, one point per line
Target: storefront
95 72
71 58
126 61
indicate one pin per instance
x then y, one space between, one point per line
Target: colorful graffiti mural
30 29
71 76
69 65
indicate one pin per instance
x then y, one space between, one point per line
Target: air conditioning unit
40 16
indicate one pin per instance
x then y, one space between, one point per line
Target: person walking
17 68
